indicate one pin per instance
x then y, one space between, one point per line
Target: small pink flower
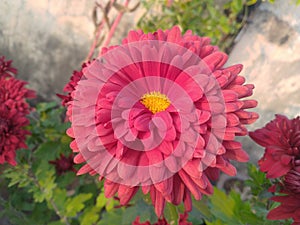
281 139
160 111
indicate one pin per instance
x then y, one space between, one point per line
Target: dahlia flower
64 164
281 139
160 112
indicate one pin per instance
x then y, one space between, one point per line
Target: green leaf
139 208
56 223
171 214
113 217
47 150
101 200
76 204
60 198
216 222
223 207
90 216
200 210
45 106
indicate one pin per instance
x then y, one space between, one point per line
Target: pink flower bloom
281 139
160 111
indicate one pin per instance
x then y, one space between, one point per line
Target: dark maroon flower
13 112
289 208
13 94
281 139
70 86
64 164
6 70
290 200
292 180
163 221
12 133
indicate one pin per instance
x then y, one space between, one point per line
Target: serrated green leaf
60 198
101 200
113 217
45 106
76 204
90 215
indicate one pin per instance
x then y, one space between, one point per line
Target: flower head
64 164
6 70
13 112
13 94
70 86
289 199
12 133
281 139
160 111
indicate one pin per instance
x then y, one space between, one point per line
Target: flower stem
114 26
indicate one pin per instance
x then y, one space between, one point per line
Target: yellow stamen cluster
155 101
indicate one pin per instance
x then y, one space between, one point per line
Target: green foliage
140 206
230 209
206 18
36 193
221 208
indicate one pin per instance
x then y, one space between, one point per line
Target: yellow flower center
155 101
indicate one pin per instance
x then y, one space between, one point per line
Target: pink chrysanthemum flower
160 111
6 70
281 139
